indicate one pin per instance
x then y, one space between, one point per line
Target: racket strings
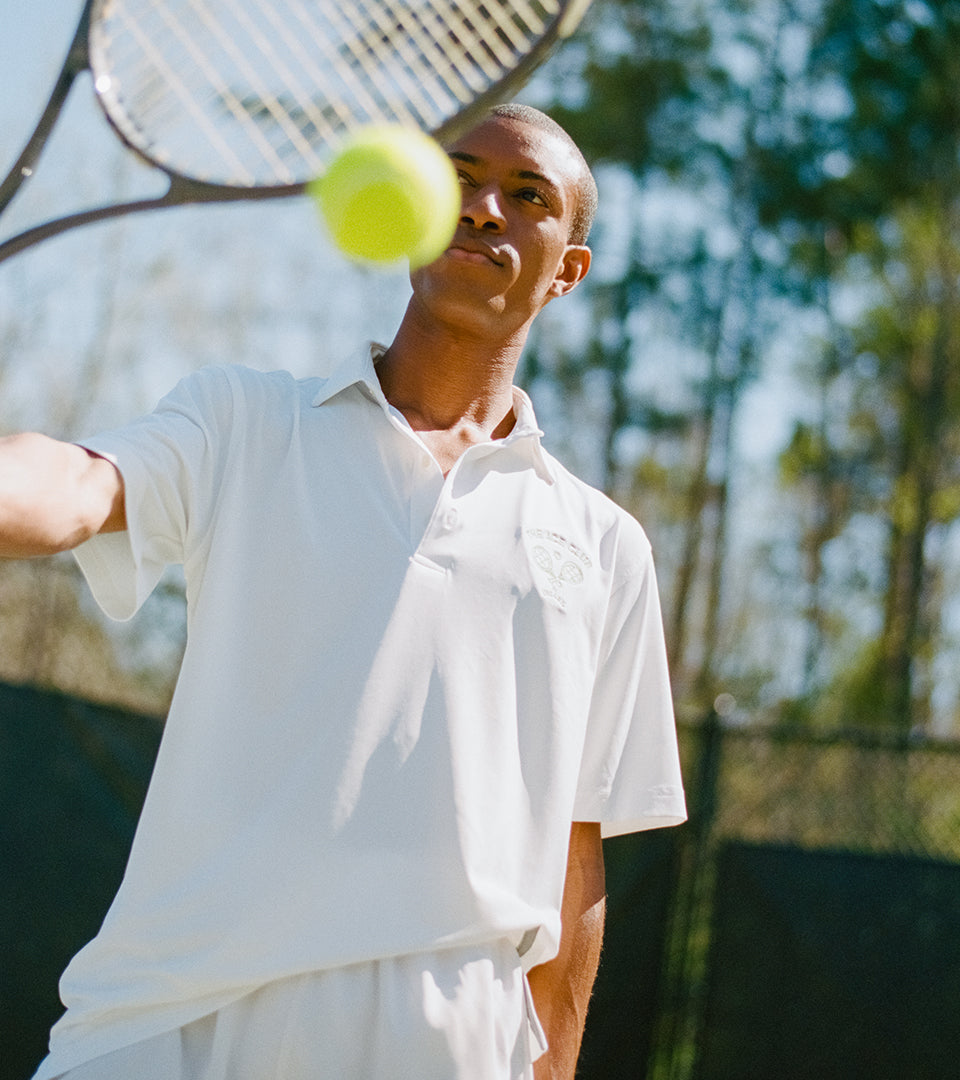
262 92
191 70
384 63
263 102
174 103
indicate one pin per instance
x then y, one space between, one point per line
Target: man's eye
534 196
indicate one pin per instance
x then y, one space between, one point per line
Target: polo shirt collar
359 370
526 427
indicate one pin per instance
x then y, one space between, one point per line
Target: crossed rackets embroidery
562 564
568 571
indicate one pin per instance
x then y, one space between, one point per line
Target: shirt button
451 519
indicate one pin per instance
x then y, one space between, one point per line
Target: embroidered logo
560 564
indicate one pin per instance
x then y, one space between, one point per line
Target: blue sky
96 324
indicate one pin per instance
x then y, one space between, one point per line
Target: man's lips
470 251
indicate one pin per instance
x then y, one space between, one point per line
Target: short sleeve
630 769
169 461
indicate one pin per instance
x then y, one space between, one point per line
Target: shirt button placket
426 487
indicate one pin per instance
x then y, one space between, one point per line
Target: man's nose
482 209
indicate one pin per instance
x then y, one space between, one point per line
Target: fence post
674 1050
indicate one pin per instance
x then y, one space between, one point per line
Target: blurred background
763 366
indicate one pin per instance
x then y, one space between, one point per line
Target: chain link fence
865 791
867 821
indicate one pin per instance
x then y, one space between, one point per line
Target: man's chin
458 305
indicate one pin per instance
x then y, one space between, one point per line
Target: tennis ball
391 192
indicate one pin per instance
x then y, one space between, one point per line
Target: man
424 669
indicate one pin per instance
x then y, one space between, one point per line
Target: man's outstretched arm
562 987
54 495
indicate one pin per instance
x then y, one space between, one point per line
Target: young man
425 669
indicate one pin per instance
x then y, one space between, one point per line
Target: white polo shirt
399 690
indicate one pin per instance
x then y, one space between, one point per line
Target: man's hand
561 988
54 495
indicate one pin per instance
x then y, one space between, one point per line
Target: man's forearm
562 987
53 496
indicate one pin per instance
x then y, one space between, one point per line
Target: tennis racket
247 99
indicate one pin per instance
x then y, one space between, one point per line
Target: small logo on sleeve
560 565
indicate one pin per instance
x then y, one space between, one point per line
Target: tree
682 96
877 205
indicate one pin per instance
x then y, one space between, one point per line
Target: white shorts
448 1015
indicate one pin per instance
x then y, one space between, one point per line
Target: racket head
261 94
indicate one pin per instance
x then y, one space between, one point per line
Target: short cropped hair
586 206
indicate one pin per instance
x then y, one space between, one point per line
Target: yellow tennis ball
390 193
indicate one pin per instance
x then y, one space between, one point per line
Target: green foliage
858 695
641 61
900 64
820 146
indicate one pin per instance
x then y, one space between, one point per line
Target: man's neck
454 390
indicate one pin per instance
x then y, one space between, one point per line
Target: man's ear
572 270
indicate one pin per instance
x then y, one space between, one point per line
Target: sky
256 283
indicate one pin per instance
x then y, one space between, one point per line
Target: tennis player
425 674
